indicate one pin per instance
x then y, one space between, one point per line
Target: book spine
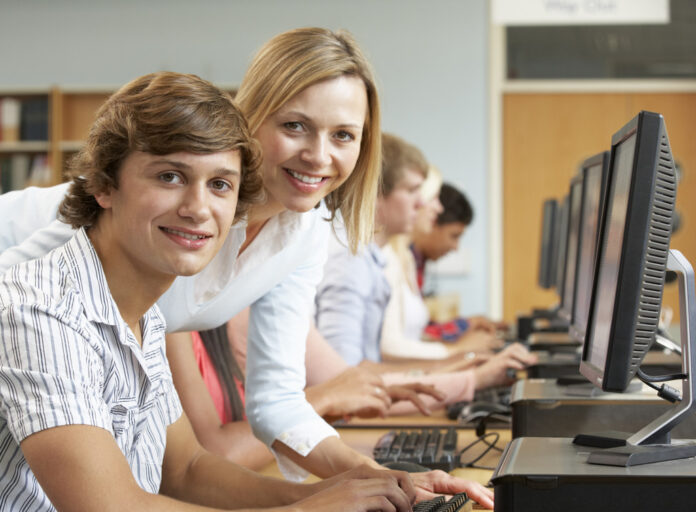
9 122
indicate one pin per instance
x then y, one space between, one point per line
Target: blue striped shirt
67 357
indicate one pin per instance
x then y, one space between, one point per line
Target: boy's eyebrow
222 171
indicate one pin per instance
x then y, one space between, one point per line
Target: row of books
23 119
22 170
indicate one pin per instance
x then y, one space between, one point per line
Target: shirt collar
85 266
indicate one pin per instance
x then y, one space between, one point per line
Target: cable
659 378
489 446
664 391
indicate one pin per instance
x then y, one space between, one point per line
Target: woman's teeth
304 178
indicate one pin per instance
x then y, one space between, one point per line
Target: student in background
311 101
406 316
354 294
432 242
90 418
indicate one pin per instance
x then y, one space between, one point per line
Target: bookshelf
24 137
39 156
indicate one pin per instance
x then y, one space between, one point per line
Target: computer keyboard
458 503
433 448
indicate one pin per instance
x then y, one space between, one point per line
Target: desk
363 439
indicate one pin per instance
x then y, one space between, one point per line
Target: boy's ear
104 198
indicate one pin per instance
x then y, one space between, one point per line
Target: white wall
430 59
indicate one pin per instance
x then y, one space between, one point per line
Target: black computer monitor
562 237
565 311
632 254
595 172
547 254
631 261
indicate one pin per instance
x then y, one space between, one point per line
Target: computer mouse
410 467
476 410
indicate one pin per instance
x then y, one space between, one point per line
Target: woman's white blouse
276 275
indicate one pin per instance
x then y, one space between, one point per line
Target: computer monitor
632 254
562 237
565 311
632 257
547 255
595 172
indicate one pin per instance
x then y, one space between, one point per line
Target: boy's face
170 214
443 239
396 212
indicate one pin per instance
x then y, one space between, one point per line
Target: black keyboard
458 503
433 448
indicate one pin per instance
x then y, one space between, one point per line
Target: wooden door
545 138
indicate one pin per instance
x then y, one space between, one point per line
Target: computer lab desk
364 433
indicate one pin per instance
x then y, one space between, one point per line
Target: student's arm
189 473
93 475
427 485
347 392
234 440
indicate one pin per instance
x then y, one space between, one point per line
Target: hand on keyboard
435 448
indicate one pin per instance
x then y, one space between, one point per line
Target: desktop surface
547 474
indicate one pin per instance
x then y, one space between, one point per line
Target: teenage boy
456 216
89 419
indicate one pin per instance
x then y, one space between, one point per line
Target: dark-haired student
90 418
432 242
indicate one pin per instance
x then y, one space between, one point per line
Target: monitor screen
632 253
562 237
547 256
593 190
574 208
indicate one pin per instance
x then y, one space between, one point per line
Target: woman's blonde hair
295 60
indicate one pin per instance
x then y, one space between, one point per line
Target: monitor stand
652 442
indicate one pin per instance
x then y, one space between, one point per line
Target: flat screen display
589 225
608 279
572 249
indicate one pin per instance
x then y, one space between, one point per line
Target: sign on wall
579 12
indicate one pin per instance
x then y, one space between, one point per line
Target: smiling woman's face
312 143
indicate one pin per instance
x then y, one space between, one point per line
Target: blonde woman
311 102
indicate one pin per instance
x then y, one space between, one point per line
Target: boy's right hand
360 490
